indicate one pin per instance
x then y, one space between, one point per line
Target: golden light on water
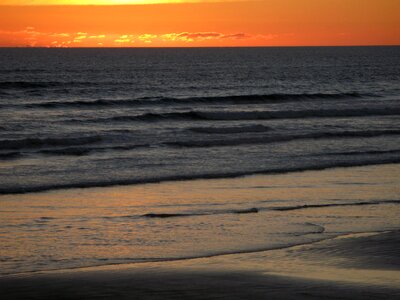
85 225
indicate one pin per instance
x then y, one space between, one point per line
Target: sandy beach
365 266
342 244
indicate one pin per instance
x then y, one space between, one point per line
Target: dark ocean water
99 117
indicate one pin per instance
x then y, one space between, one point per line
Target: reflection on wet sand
204 218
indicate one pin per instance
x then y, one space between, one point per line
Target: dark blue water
99 117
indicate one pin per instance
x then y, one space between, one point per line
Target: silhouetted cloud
192 36
32 37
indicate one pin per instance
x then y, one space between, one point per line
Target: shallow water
178 220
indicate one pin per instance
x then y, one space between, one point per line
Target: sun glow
100 2
190 23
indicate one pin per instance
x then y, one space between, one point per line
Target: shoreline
133 264
299 272
281 212
332 249
128 183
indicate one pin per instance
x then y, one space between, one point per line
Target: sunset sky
176 23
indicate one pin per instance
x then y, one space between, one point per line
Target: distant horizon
201 47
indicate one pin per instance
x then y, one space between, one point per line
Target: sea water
78 118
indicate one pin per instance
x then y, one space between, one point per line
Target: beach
372 272
343 250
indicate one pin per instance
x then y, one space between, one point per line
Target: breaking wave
308 206
287 138
174 215
254 115
255 210
88 184
233 99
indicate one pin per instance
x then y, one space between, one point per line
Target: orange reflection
85 227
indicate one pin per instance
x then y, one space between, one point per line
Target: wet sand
359 266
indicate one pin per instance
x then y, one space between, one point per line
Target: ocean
80 118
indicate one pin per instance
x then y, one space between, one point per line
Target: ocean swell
278 139
88 184
194 115
41 142
227 100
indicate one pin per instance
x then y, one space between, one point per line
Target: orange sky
206 23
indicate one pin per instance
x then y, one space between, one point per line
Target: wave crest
88 184
228 130
194 115
279 139
228 100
